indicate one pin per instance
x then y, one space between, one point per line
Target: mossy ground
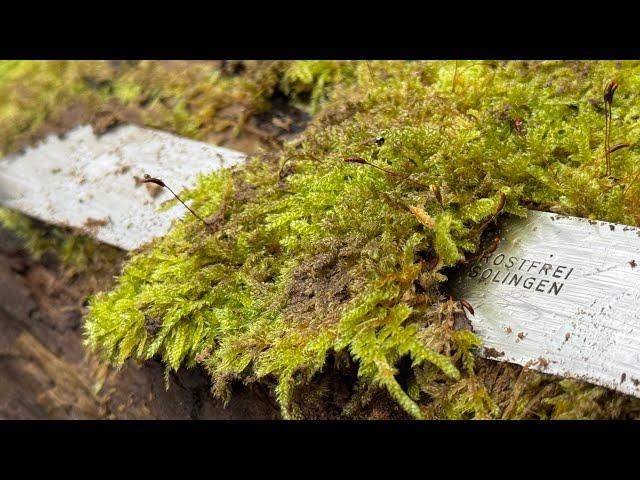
326 257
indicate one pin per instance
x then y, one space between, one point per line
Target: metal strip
561 294
88 181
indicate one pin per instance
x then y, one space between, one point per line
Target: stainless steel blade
89 182
561 295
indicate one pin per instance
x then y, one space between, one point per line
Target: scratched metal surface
587 324
84 180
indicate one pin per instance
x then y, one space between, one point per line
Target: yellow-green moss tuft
319 256
316 258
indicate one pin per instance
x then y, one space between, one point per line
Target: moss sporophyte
321 268
156 181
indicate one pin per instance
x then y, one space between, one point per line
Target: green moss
76 252
313 78
315 258
195 99
318 256
30 91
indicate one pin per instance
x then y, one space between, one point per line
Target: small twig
149 179
517 391
501 204
465 304
492 247
370 71
619 146
609 90
436 192
455 77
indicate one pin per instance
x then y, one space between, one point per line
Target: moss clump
310 79
76 252
314 257
194 99
317 265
